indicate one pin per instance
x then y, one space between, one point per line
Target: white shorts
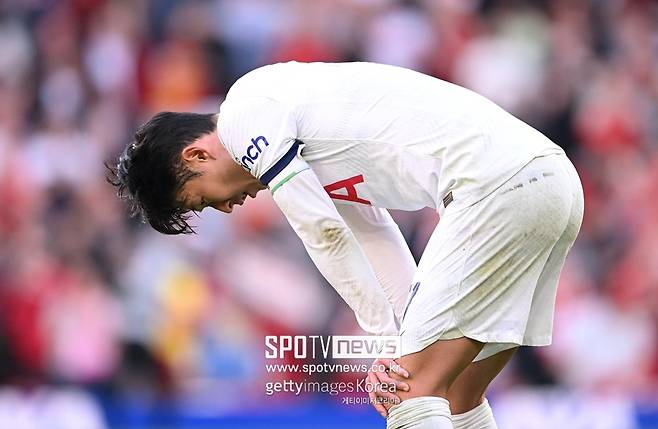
490 271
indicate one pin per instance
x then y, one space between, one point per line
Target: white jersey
376 134
370 137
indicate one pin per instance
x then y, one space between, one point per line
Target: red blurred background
104 323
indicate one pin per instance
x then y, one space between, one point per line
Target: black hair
150 172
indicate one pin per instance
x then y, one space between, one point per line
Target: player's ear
193 154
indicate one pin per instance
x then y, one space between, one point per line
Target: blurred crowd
92 298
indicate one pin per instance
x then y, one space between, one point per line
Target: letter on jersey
349 186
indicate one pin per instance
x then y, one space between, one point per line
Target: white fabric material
384 245
334 250
410 137
257 131
372 135
480 417
490 272
491 349
424 412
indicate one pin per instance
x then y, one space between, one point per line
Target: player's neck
241 176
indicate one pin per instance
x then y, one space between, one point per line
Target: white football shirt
369 135
376 134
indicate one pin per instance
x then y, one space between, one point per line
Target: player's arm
261 134
333 247
390 257
386 249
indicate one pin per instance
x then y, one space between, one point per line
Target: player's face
214 189
222 184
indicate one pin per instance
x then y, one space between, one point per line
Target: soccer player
337 145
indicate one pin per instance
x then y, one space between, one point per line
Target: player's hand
382 388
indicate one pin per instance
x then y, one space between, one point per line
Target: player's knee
435 368
424 383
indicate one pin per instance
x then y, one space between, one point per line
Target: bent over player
337 145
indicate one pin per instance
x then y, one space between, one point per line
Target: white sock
479 417
424 412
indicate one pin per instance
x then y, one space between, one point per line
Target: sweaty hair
150 172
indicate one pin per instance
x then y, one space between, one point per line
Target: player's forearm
335 251
339 258
386 249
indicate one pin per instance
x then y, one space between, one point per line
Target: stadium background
104 323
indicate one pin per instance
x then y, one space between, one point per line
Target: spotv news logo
334 346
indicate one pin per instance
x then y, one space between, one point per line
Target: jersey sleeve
261 135
386 249
334 249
